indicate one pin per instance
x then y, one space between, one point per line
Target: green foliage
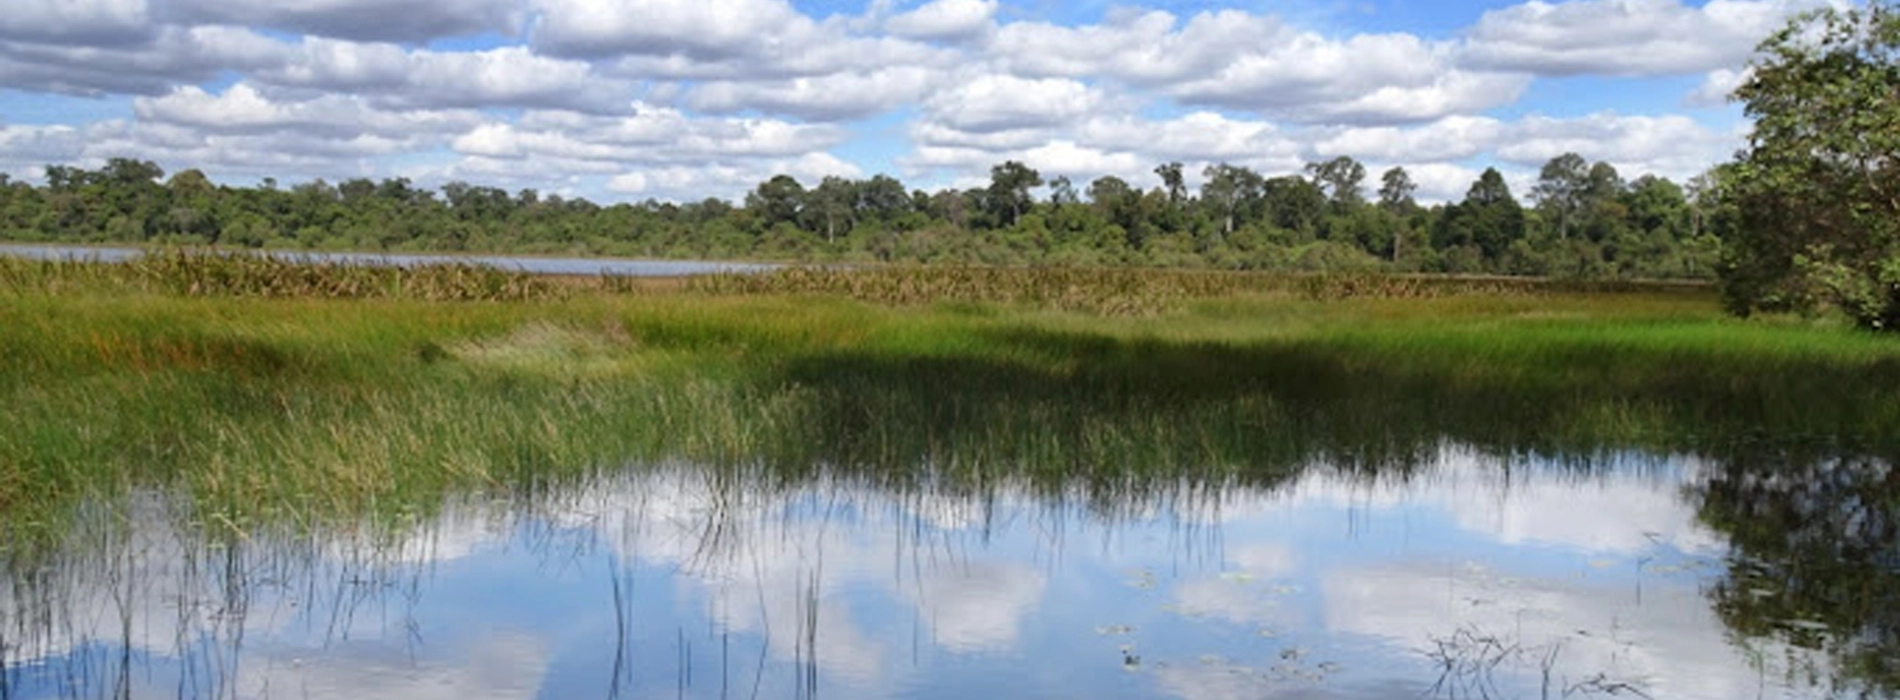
1239 220
356 405
1818 189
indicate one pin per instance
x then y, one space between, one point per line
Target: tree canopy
1817 191
1233 218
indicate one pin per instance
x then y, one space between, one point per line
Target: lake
531 265
1458 574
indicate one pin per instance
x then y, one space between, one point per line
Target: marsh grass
307 412
201 273
1128 292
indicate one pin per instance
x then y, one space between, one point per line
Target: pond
532 265
1463 573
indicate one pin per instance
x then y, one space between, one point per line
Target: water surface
1615 575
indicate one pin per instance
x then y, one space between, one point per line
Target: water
531 265
1467 576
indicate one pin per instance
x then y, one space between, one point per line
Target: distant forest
1580 220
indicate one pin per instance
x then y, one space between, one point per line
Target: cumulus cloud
242 109
414 21
662 86
1240 61
1001 102
173 56
509 76
726 179
1366 79
695 29
1448 139
1672 145
651 134
1624 37
839 96
945 20
1716 88
81 22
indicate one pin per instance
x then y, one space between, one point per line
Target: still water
1620 575
531 265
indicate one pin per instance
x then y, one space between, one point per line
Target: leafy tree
1489 218
1561 189
1172 182
1818 187
1010 183
1294 204
1341 178
779 200
1062 192
831 206
1396 190
1227 188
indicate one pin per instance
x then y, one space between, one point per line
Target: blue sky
682 99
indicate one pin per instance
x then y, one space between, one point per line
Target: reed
312 409
198 273
1125 291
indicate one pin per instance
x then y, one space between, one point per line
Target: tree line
1583 219
1806 218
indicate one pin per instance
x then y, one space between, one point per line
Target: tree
1226 188
1489 217
1561 187
1341 178
1294 204
883 198
1172 182
1818 186
1396 190
1395 198
1062 192
831 205
1010 183
778 200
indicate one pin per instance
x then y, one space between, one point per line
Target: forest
1579 220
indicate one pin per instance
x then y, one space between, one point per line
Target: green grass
302 412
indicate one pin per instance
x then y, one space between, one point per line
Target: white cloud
368 20
729 180
82 22
173 56
694 29
945 20
1624 37
242 109
1235 60
1716 88
1448 139
832 97
736 86
652 135
509 76
1672 145
1366 79
1001 102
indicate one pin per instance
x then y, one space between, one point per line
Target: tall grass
213 274
1127 292
313 410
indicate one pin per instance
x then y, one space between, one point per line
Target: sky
629 100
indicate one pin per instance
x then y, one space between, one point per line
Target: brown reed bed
197 273
1125 291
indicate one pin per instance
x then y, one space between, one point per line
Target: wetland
933 482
